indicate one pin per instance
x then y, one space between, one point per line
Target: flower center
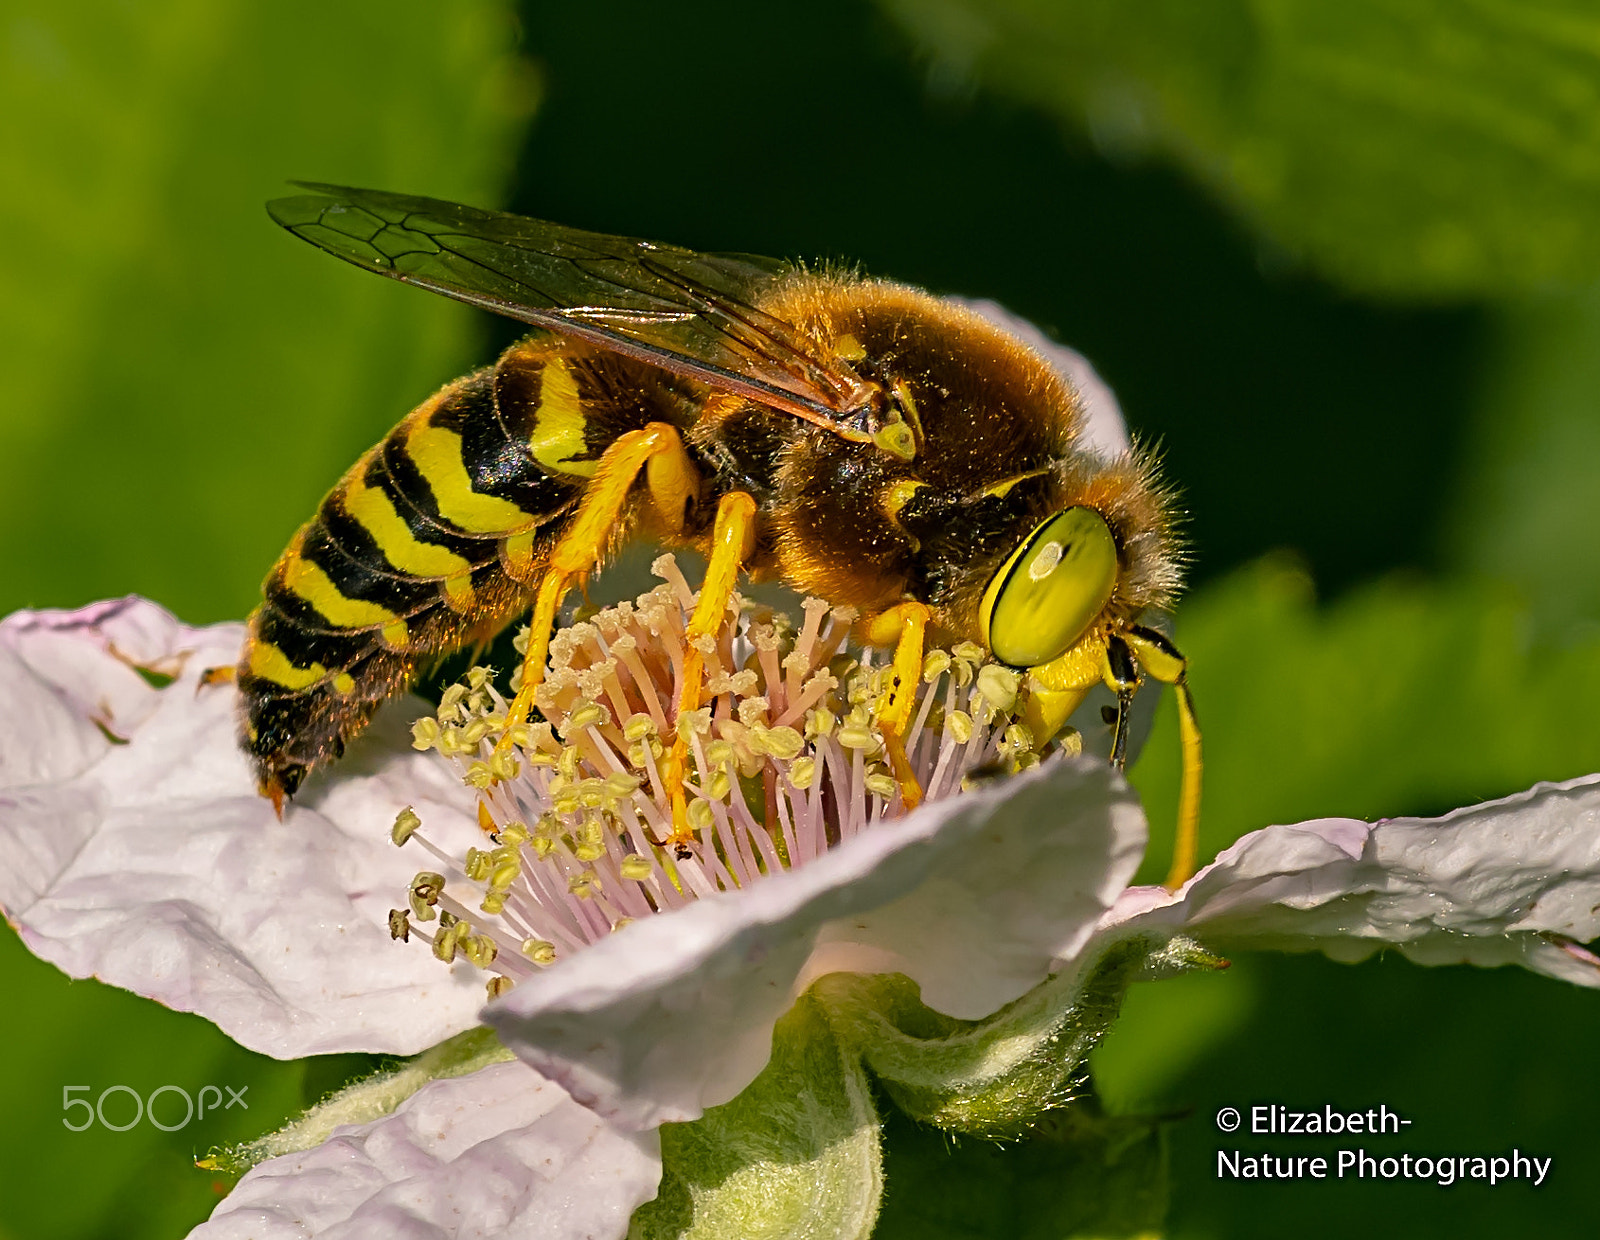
788 762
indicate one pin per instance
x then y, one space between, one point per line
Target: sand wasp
861 440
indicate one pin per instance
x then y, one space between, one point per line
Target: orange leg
216 676
907 625
673 481
730 545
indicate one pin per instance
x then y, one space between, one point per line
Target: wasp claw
215 676
273 791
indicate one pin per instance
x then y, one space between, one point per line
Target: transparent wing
690 313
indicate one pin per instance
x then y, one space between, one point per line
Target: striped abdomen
433 540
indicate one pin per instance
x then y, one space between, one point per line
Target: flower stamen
787 761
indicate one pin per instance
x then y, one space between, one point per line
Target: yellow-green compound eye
1051 589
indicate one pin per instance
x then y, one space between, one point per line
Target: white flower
133 847
1513 881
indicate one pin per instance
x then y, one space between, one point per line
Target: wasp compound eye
1048 593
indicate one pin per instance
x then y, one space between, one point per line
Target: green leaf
995 1077
1417 147
795 1155
1527 510
184 381
188 379
1078 1174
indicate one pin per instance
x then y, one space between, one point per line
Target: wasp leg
1121 676
1161 659
216 676
906 624
1057 688
731 543
673 481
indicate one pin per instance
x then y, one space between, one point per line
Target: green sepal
995 1077
365 1100
797 1154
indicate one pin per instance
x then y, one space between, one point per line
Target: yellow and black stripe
435 539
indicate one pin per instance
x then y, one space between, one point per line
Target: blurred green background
1339 260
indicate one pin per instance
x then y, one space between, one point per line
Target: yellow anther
635 867
855 736
406 823
692 723
446 941
999 685
1019 737
820 722
426 888
959 724
503 765
479 948
881 783
479 775
477 864
425 733
499 985
783 743
504 875
935 664
588 715
802 772
494 903
514 833
720 785
700 817
621 784
540 951
638 727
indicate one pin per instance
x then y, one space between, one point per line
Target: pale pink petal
134 847
1514 881
498 1153
972 897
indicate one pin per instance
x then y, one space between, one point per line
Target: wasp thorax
789 760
